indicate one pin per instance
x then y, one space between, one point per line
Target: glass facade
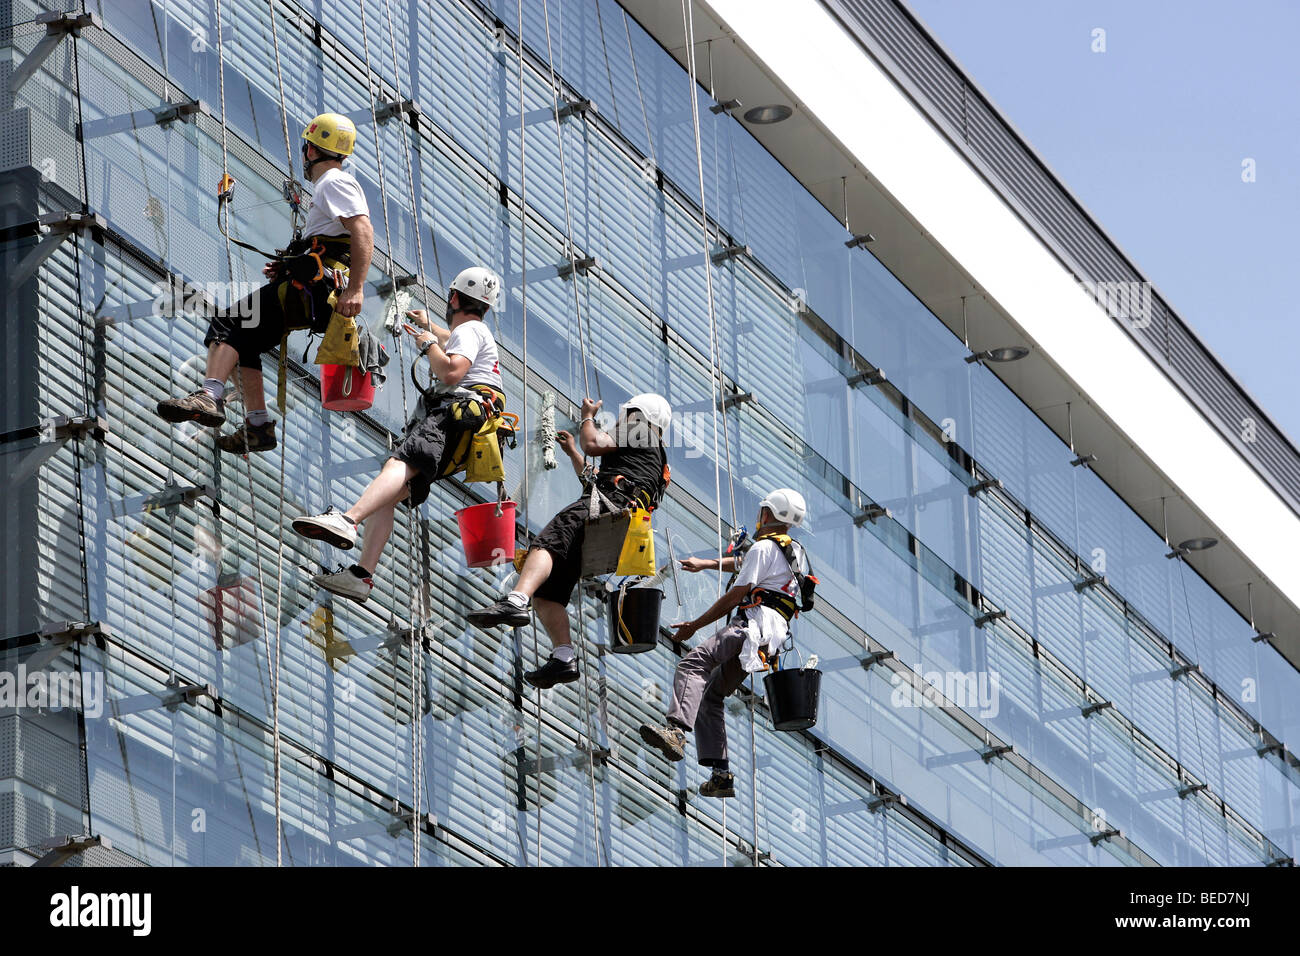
986 700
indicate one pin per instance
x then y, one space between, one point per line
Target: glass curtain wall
977 706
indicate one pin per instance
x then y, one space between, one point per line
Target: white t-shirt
474 340
764 565
335 195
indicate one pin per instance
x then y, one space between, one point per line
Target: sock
215 388
257 416
358 571
564 653
517 599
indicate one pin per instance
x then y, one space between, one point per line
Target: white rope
636 78
715 360
284 433
568 217
396 330
582 344
523 296
417 656
239 386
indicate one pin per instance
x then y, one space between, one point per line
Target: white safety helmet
787 506
478 283
654 407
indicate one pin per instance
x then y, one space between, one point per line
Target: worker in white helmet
464 358
772 581
633 469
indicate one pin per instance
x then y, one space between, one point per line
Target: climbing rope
1191 624
523 297
239 386
418 609
636 79
390 271
718 398
568 215
582 346
291 194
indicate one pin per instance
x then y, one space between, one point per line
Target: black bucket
637 611
792 697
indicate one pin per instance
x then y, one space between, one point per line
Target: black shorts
257 323
563 537
425 449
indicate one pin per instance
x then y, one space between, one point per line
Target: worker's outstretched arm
720 609
363 247
594 441
708 564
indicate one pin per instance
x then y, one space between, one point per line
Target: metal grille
897 40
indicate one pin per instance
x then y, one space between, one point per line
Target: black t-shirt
640 460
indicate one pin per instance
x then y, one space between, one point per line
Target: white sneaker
329 526
345 584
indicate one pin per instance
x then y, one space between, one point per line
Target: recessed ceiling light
1197 544
771 113
1010 353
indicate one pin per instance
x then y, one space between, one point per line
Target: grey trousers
705 678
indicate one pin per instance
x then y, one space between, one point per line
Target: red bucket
345 388
488 539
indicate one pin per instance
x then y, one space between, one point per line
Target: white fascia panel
835 81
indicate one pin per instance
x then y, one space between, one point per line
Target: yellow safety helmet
333 133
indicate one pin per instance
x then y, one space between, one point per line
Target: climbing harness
805 581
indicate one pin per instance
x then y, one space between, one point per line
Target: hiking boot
554 672
670 740
345 582
330 526
248 438
195 407
503 611
722 784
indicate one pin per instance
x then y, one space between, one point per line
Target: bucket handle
781 650
622 628
347 382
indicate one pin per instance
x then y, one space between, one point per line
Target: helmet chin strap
307 164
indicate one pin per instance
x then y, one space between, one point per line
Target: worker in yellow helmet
331 256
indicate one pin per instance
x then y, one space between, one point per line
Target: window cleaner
772 581
319 273
468 398
633 472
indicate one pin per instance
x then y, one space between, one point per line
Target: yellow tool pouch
638 554
477 451
340 345
485 462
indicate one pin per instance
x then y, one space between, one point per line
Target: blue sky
1151 134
